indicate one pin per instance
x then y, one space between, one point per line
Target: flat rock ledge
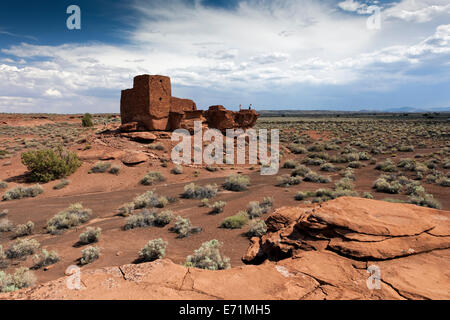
321 252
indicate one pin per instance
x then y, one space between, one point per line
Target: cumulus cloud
52 93
258 46
350 5
268 58
418 11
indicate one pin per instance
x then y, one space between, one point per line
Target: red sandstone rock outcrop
317 253
220 118
149 106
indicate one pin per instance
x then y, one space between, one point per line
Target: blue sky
275 54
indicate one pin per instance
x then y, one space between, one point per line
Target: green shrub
316 147
394 200
126 209
177 170
286 180
301 195
163 218
4 213
301 171
71 217
61 184
45 259
406 148
211 168
22 248
152 177
313 161
364 156
444 182
100 167
115 169
91 235
156 146
3 184
367 195
349 173
255 210
257 228
235 222
297 149
267 202
345 184
424 200
89 255
6 225
150 199
86 121
343 193
382 185
204 203
22 278
414 188
355 164
316 178
184 228
47 165
20 192
237 182
290 164
208 257
24 229
387 166
3 259
329 167
142 219
217 207
193 191
154 249
324 193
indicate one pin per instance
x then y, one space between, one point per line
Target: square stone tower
147 103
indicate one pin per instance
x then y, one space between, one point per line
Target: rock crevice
299 258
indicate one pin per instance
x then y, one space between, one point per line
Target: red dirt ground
104 193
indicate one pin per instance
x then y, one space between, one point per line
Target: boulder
357 228
129 127
309 253
133 158
140 136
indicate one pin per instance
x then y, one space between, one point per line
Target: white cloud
260 45
53 93
350 5
269 58
418 11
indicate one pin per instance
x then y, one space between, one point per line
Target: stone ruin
149 106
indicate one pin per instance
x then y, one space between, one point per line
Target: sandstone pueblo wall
149 106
